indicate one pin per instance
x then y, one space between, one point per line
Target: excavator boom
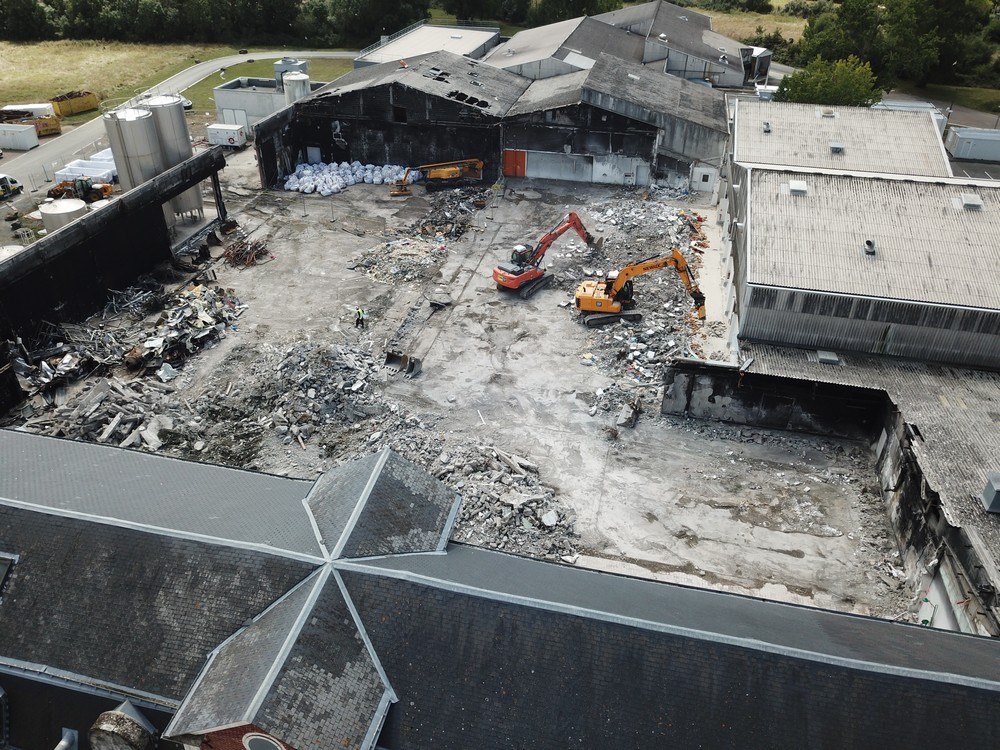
524 273
440 173
614 294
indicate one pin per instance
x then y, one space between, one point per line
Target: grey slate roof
382 504
592 38
652 93
213 502
499 88
405 510
956 409
127 607
300 672
489 651
228 690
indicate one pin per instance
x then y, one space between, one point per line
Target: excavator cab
520 255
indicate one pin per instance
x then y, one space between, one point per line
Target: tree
25 20
550 11
848 82
469 9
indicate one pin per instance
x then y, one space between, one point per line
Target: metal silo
175 142
288 65
135 145
296 87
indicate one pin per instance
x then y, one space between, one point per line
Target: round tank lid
63 206
131 113
100 204
296 76
165 100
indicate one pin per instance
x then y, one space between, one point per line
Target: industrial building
245 101
618 123
464 39
295 614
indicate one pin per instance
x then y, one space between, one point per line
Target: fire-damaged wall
390 124
583 130
66 275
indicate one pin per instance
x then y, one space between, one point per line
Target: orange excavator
524 274
611 299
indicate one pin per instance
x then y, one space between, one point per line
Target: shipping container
973 144
36 110
231 136
18 137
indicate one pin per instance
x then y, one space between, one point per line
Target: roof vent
798 187
971 202
767 126
828 112
456 36
991 493
827 358
836 148
633 76
869 247
663 37
723 59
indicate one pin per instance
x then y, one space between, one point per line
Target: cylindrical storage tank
100 204
171 125
135 145
286 65
59 213
296 86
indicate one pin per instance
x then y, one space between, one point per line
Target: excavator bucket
598 243
393 359
398 189
403 363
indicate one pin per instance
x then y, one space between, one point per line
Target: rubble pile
452 212
193 318
404 259
330 179
244 253
190 319
635 228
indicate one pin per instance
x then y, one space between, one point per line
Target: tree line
310 22
921 41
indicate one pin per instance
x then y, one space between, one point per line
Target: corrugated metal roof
551 93
873 140
500 88
532 45
165 494
957 411
657 92
928 247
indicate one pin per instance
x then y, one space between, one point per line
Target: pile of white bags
330 179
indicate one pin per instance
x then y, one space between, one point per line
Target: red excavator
524 274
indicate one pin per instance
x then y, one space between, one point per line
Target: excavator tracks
529 289
605 319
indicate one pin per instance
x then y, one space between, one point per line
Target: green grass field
984 100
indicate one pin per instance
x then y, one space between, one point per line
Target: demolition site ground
517 403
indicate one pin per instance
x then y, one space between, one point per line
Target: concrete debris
452 212
402 259
634 229
330 179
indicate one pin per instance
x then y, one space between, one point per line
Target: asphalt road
29 167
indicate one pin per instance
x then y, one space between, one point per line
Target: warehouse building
421 38
617 123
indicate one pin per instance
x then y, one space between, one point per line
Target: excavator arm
569 221
675 259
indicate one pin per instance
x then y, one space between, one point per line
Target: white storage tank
58 213
135 145
296 87
288 65
175 141
102 203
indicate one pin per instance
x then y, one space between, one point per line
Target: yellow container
47 125
74 102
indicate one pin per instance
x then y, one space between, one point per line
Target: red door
514 163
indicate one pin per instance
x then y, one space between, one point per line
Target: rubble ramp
400 362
